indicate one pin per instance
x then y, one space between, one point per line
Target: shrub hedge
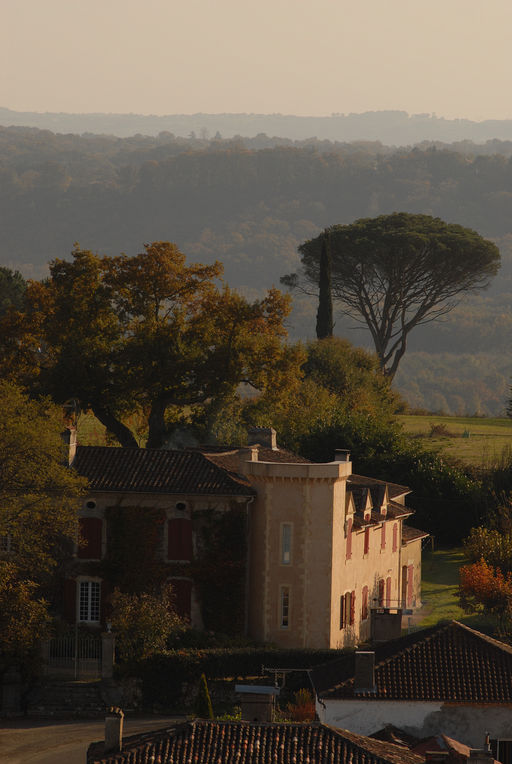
164 675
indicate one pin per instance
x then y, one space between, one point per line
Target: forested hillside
250 202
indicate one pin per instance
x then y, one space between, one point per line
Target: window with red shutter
91 532
342 611
182 591
352 608
410 584
349 538
388 591
366 540
381 592
364 604
383 536
179 543
395 537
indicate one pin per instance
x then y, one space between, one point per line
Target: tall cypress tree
324 320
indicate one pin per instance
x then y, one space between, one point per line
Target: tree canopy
395 272
39 498
12 288
148 333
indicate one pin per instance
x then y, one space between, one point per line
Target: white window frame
88 600
286 543
6 545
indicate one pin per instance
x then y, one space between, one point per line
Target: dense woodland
250 202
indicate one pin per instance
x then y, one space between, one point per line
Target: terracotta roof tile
394 489
205 742
144 470
447 663
412 534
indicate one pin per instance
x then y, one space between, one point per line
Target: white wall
464 722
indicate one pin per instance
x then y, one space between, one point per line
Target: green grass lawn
474 440
440 582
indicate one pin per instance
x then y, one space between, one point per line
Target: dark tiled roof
394 490
447 663
395 510
229 458
144 470
204 742
412 534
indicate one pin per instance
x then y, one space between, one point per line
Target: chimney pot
364 679
264 436
342 455
69 438
114 729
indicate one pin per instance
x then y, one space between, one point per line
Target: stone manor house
322 552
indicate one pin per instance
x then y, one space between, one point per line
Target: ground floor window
6 544
364 604
284 607
347 609
89 601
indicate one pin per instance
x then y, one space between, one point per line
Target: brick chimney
69 438
114 730
264 436
364 677
248 454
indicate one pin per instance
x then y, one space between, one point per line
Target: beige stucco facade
312 555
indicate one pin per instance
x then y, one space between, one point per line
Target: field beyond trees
477 441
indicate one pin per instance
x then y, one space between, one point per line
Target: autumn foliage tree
485 589
39 499
148 333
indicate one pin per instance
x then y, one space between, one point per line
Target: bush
143 623
164 675
204 708
303 707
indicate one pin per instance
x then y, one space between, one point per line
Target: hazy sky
452 57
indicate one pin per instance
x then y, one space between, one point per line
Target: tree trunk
156 422
123 434
324 321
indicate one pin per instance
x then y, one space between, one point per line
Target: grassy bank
440 583
474 440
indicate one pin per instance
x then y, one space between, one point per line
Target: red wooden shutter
410 584
182 590
352 608
349 538
388 591
179 539
69 600
364 604
381 592
395 537
383 536
90 532
366 540
342 611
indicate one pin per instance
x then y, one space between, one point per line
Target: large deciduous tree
398 271
12 288
144 333
39 498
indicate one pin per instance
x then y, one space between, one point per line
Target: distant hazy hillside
391 127
250 202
